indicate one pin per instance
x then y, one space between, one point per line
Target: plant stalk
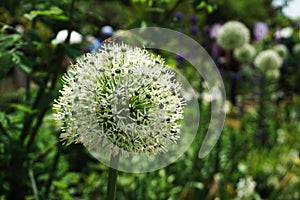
112 178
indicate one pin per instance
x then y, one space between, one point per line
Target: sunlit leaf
23 108
54 12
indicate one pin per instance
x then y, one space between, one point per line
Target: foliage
259 142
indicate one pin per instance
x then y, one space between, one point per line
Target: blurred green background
257 156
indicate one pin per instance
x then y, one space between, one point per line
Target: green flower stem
112 178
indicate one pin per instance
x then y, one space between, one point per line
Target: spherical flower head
120 98
233 34
267 60
285 32
178 15
193 19
245 187
245 54
282 50
296 49
273 74
194 30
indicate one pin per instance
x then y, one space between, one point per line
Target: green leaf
9 54
209 8
46 99
3 119
5 63
158 10
8 41
9 59
23 108
54 12
201 5
60 184
71 51
22 62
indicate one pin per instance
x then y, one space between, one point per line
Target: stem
34 186
43 154
52 172
234 69
112 177
217 156
261 112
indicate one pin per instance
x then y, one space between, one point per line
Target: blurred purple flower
260 30
222 71
215 50
194 19
180 59
237 75
194 30
261 135
259 77
214 30
180 30
178 15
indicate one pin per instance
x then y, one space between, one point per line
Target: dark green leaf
8 41
6 63
22 62
23 108
72 51
46 99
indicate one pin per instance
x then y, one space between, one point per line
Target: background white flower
245 188
123 99
273 74
245 54
63 34
268 60
285 32
296 49
233 34
282 50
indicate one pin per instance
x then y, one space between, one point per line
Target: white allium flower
63 34
296 49
273 74
267 60
120 98
282 50
285 32
281 136
245 54
245 187
233 34
214 94
293 154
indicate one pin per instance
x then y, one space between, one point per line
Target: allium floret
233 34
282 50
246 188
123 99
296 49
268 60
273 74
245 54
